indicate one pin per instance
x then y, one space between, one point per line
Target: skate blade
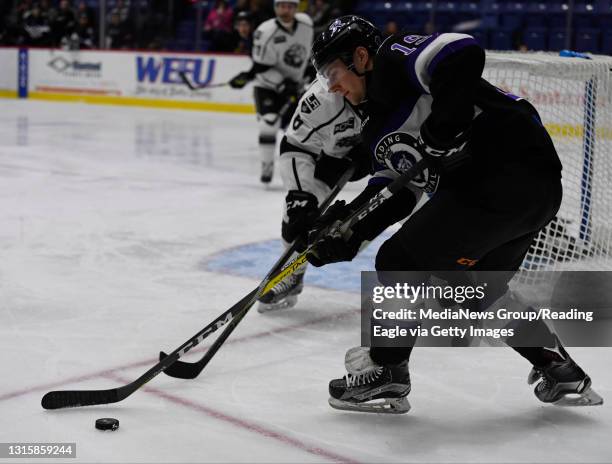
386 406
589 397
285 303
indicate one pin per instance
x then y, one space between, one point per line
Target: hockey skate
283 295
563 382
267 171
368 387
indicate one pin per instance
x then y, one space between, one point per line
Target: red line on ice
244 424
151 361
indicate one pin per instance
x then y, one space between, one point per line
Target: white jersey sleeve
323 123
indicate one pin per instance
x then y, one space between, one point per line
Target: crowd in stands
229 28
41 23
227 25
74 24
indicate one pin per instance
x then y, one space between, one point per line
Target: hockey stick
63 399
286 107
73 398
193 86
190 370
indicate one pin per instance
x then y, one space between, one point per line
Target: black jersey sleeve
453 86
446 66
396 208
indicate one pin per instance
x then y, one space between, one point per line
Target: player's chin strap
351 67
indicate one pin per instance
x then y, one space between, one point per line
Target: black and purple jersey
438 79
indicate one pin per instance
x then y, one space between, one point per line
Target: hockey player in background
281 54
322 140
493 175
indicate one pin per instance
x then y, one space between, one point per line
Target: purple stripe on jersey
512 96
411 62
379 181
448 50
509 95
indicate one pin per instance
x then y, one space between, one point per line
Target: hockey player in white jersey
281 54
322 140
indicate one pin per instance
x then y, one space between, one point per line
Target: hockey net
574 99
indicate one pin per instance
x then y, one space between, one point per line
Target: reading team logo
397 151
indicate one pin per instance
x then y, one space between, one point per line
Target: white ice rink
109 217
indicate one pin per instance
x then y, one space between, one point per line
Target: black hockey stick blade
187 370
75 398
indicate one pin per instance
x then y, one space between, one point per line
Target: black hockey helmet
342 37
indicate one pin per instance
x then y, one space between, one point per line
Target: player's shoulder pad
303 18
317 104
420 54
449 43
265 30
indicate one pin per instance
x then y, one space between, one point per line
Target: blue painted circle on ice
255 259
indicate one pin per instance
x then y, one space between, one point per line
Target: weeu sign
166 69
158 75
136 78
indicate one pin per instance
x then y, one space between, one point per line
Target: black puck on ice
107 423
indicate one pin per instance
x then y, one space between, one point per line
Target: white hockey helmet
295 2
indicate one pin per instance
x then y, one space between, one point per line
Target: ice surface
107 216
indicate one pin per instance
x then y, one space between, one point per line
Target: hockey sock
267 145
390 356
537 356
534 333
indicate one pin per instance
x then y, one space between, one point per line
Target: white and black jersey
324 123
324 129
286 51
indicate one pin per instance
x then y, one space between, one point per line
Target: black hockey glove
446 155
288 90
240 80
333 246
302 213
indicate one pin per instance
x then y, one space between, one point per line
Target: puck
107 423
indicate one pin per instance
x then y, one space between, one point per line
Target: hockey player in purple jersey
493 175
